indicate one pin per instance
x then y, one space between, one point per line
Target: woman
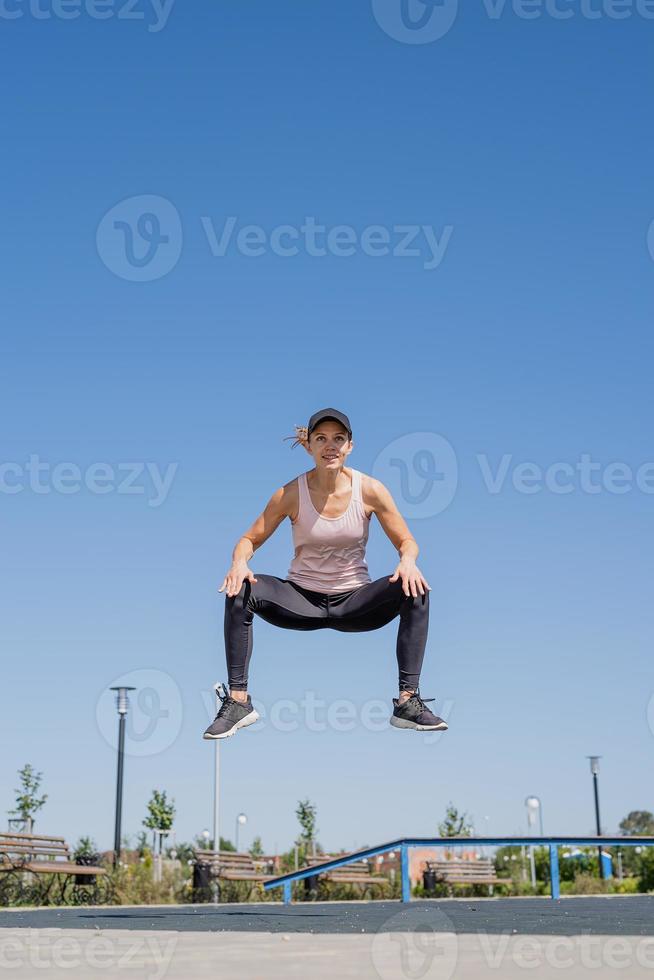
327 585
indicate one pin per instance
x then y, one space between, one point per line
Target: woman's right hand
235 577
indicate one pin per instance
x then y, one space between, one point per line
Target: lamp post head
594 763
532 803
242 818
122 701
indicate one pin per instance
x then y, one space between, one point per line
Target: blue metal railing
403 844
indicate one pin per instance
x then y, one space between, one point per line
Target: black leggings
293 607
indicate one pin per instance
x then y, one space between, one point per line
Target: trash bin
86 861
310 887
607 865
429 882
201 882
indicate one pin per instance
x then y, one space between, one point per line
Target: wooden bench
458 871
25 855
356 873
231 866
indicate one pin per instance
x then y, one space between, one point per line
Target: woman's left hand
413 581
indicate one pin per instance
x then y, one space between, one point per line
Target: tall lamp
122 705
594 768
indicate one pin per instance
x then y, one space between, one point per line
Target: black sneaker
413 713
231 716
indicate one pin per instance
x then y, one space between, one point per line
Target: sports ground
462 939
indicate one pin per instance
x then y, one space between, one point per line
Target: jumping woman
327 585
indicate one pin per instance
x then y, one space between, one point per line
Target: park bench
459 871
231 866
32 865
356 873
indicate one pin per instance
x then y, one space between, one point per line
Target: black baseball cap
328 413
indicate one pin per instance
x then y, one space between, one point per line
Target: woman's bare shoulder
370 492
288 498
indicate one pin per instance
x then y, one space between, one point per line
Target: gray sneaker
231 716
415 714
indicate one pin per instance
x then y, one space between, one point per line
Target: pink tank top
330 551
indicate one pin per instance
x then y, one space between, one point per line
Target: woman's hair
301 436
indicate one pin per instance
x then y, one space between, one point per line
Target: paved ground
502 939
615 916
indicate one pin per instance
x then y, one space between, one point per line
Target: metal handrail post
406 881
554 871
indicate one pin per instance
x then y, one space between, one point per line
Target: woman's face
329 445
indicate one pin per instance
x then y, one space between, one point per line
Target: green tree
161 812
306 814
85 848
646 870
455 824
256 850
638 823
27 801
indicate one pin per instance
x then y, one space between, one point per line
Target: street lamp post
240 821
218 687
594 768
533 807
534 804
122 705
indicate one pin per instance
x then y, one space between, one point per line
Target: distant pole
122 705
216 798
216 783
594 768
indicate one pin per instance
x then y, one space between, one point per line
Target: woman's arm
394 525
277 508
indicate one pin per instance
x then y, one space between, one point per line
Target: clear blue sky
531 338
